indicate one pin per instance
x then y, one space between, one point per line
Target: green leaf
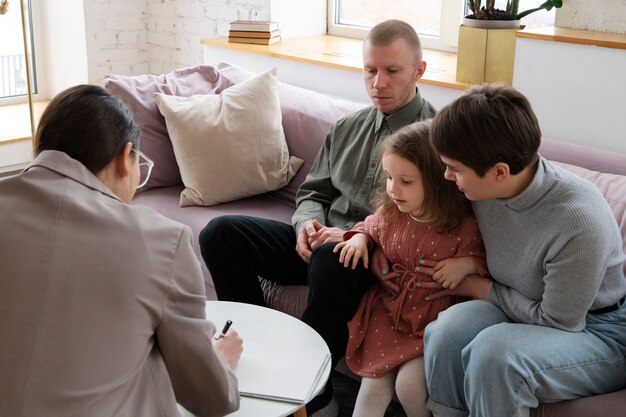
548 5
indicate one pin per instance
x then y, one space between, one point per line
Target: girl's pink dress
387 329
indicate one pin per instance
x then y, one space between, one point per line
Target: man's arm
317 192
313 200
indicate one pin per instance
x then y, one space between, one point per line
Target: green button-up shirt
339 189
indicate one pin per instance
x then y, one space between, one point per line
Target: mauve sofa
306 117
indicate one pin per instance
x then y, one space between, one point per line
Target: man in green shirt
335 195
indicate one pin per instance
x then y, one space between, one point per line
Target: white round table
266 325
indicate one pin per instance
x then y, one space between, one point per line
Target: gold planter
485 55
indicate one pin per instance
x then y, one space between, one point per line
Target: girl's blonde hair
443 203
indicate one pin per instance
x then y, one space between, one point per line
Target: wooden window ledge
576 36
15 121
344 53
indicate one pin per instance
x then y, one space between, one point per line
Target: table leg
301 412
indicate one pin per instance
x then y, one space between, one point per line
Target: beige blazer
101 304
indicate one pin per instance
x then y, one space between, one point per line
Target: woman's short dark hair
488 124
88 124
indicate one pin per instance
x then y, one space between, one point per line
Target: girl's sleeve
369 227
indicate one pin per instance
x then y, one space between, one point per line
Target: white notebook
266 371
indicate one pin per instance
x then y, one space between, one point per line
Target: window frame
38 62
451 18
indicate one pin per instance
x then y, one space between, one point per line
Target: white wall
64 45
577 91
599 15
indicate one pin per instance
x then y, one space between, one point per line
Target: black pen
224 329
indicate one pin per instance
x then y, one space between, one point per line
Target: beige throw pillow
231 145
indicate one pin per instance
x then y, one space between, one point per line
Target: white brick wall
175 27
156 36
600 15
116 32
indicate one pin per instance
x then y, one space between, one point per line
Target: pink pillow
138 94
307 117
583 156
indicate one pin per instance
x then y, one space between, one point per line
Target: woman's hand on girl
473 286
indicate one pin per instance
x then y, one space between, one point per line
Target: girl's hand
352 250
450 272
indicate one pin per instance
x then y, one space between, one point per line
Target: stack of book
254 31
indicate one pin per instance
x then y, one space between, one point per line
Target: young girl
426 230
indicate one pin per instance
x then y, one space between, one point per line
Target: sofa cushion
165 201
583 156
306 116
231 145
138 94
605 405
612 186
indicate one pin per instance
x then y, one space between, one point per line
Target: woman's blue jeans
480 364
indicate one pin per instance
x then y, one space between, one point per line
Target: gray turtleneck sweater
554 251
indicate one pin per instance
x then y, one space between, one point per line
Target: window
436 21
13 86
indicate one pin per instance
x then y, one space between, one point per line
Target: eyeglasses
145 168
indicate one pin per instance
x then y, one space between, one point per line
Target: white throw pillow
231 145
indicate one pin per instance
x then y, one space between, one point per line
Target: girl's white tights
410 387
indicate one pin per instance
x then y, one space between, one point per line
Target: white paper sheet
277 372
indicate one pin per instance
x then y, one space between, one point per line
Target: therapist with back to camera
102 302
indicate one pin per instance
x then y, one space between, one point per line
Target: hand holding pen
229 344
224 329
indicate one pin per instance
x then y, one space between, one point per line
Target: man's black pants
239 249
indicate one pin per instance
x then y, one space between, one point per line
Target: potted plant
486 50
488 16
